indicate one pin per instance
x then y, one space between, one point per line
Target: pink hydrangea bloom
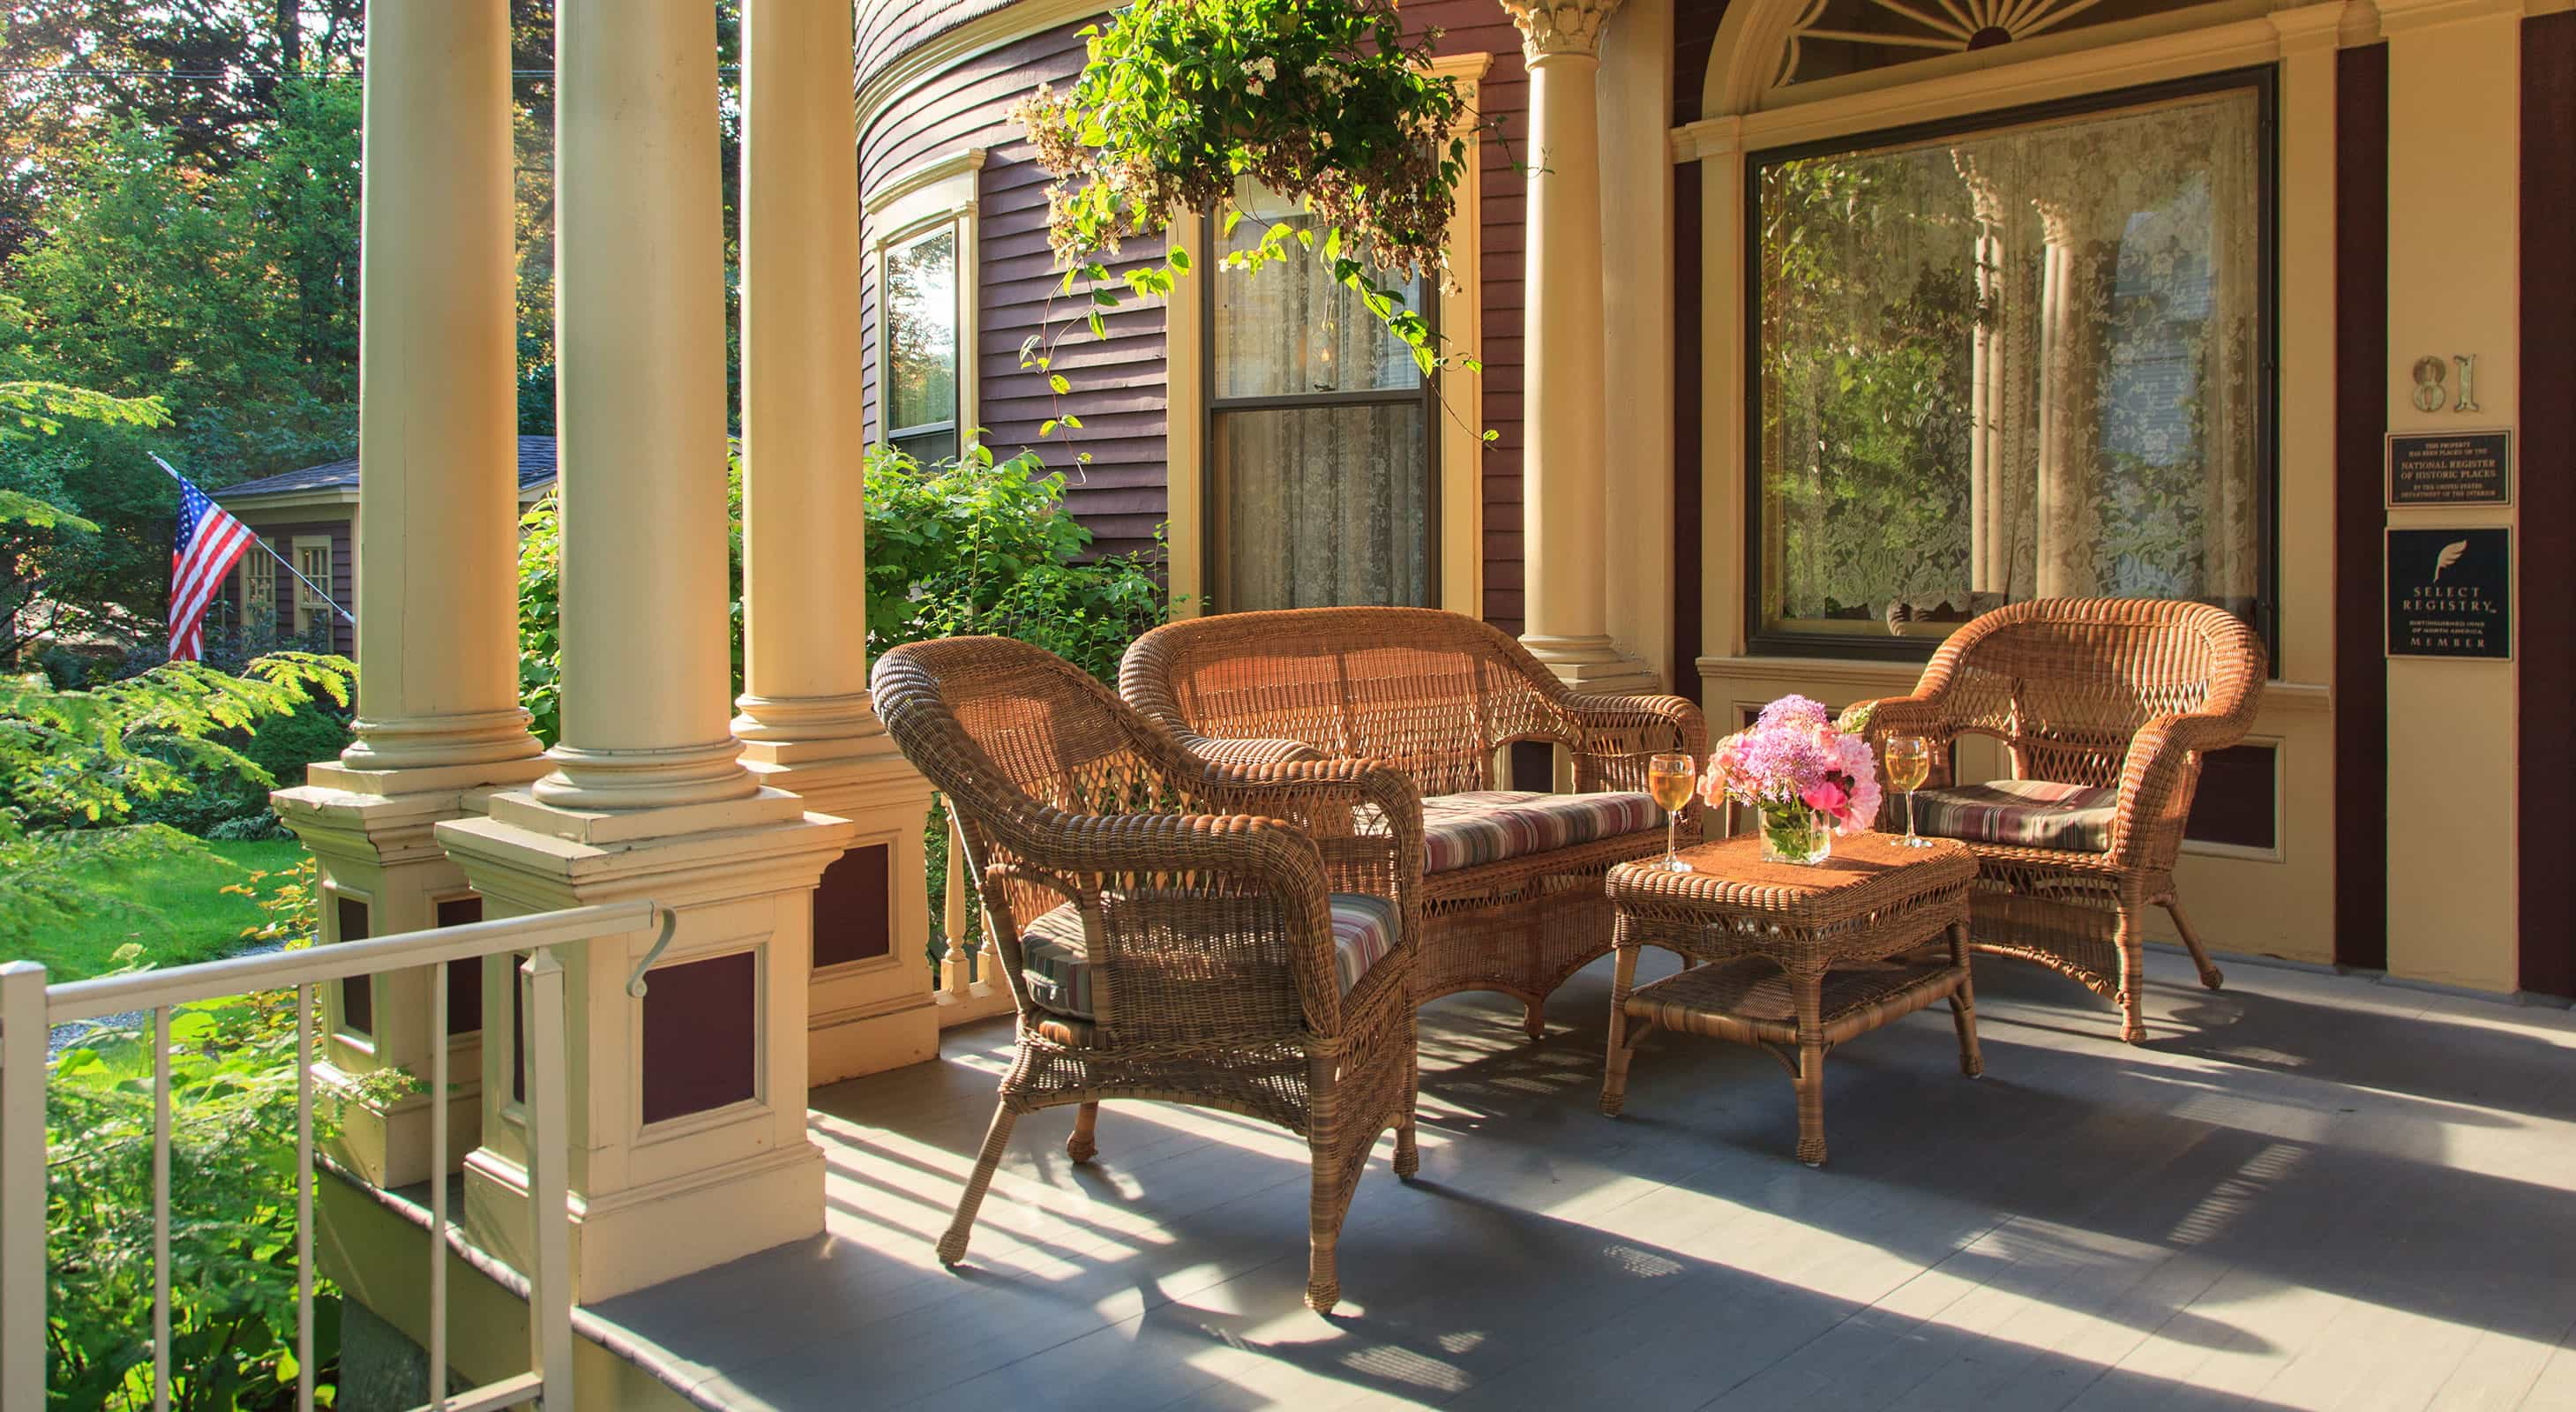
1794 755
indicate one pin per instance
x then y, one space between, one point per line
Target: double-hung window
1321 431
2027 359
923 417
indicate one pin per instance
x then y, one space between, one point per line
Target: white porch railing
29 1009
969 985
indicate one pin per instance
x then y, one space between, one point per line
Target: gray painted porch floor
2305 1191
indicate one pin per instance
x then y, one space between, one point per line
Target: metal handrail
29 1009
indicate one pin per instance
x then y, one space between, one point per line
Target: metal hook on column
670 925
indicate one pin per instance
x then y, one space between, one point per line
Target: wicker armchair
1235 937
1512 894
2112 702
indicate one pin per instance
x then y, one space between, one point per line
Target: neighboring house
310 517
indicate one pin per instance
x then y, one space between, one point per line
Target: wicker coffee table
1794 959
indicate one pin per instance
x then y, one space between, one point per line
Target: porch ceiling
2306 1191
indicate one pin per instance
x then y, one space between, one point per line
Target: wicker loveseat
1236 937
2107 706
1512 884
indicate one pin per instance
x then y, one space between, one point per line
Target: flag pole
318 591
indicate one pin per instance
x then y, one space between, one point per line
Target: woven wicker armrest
1218 751
1364 815
2156 782
1614 736
1192 873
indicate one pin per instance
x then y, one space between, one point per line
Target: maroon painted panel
464 978
854 907
2361 421
518 1030
700 1022
2548 635
2237 799
357 993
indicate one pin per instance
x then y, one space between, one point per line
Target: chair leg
1408 1157
952 1246
1534 1021
2210 975
1963 1008
1081 1147
2133 976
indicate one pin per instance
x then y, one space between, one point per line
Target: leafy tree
231 297
210 72
43 544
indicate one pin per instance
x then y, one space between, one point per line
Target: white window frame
308 602
258 588
923 202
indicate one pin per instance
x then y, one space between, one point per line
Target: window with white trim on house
2027 359
1321 438
313 611
259 593
922 415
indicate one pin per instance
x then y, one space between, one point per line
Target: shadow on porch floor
2306 1191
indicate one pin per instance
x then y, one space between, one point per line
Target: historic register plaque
2450 468
2450 593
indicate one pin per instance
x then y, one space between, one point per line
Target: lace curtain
2014 365
1321 437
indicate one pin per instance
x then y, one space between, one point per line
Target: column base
872 1007
372 834
494 746
643 1235
686 1118
388 1144
1593 666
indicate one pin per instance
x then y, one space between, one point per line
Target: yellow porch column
2454 255
804 717
688 1101
438 699
1563 520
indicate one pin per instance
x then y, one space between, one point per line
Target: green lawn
188 917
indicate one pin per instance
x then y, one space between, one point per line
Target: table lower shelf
1750 1000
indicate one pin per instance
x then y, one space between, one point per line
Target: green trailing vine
1328 103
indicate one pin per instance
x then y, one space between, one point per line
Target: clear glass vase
1794 833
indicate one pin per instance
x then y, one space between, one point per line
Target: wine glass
1670 779
1909 763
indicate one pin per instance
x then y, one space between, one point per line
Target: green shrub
975 546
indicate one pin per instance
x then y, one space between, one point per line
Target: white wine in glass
1909 764
1670 779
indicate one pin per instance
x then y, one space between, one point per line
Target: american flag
210 543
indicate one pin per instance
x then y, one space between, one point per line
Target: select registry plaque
2450 468
2450 593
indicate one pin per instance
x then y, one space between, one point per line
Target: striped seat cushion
1490 825
1058 972
2072 818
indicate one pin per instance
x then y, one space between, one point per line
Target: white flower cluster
1259 73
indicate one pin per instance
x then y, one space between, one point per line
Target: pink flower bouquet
1807 775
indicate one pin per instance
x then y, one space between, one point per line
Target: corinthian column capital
1550 27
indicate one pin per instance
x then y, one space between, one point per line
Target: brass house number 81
2430 373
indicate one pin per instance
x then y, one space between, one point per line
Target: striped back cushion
1491 825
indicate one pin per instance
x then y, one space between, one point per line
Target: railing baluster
23 1034
438 1189
304 1001
29 1008
160 1208
549 1150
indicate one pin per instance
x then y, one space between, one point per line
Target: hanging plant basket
1327 103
